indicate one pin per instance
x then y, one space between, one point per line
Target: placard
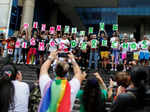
58 27
35 25
125 45
24 45
17 45
82 33
133 46
41 46
102 26
43 28
26 26
52 30
83 46
73 44
74 30
67 28
104 43
32 42
91 30
115 27
94 43
114 44
52 43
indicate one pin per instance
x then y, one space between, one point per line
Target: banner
144 44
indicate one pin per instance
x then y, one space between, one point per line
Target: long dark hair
138 77
92 97
7 90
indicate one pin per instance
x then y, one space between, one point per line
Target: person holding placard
144 51
115 51
31 58
41 48
84 52
25 45
134 51
10 46
124 47
18 49
104 52
64 44
94 52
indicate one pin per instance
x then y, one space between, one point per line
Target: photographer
59 94
132 99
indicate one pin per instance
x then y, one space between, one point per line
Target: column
28 12
142 32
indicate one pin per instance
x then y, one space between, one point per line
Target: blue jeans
17 52
95 55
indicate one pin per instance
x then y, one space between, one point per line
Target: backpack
34 99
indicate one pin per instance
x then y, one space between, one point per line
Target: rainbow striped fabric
56 97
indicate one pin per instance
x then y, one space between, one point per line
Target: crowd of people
59 94
34 47
70 50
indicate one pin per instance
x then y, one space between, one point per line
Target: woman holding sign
124 47
18 49
144 51
115 52
104 52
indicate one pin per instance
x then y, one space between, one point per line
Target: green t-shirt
80 94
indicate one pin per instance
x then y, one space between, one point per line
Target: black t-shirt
127 102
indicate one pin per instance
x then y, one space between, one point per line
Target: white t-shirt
21 98
125 50
53 47
74 83
63 42
144 47
19 42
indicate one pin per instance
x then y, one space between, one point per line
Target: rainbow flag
56 97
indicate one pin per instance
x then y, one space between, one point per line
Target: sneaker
124 70
111 69
115 70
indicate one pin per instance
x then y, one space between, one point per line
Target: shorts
144 56
115 53
104 54
136 56
124 56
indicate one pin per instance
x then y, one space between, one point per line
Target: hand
71 56
83 76
111 83
53 55
99 77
